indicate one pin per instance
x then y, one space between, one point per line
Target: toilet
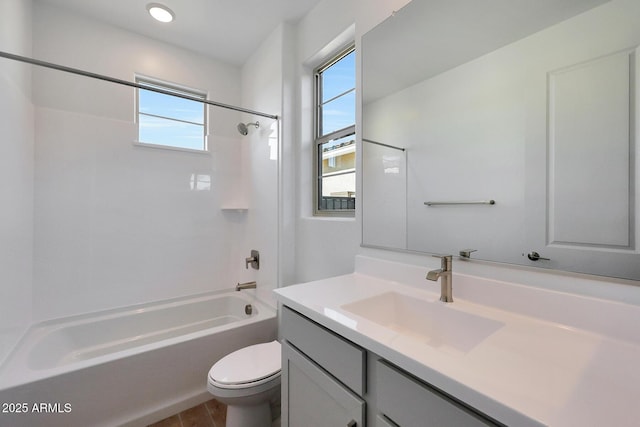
248 382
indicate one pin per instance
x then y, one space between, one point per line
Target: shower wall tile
16 175
117 223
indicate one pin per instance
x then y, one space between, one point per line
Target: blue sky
337 79
336 114
160 131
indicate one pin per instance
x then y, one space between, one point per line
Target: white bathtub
129 366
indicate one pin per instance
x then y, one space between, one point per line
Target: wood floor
208 414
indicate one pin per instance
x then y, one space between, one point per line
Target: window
169 120
335 145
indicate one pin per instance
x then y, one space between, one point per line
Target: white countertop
531 371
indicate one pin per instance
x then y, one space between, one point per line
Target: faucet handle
535 256
253 260
446 261
466 253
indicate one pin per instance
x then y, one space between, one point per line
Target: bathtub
130 366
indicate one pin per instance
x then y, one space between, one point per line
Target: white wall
118 224
16 174
324 246
262 84
318 247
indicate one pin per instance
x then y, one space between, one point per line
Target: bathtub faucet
253 260
246 285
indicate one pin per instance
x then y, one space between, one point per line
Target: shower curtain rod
383 144
127 83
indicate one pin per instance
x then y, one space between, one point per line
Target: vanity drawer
341 358
411 403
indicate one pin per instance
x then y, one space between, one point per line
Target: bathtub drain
248 309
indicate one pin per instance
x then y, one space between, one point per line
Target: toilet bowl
248 382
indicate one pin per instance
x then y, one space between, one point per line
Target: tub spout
246 285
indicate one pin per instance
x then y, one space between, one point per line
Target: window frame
319 140
188 93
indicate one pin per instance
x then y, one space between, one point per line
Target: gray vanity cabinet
328 381
382 421
322 376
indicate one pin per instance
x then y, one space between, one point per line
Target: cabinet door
312 398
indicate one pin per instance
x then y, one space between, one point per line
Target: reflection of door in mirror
542 122
589 192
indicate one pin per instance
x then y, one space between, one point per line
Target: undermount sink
434 323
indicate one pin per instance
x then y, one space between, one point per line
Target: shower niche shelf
234 203
240 209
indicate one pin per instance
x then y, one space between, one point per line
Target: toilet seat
248 367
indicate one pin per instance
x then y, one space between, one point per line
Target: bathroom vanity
362 349
333 381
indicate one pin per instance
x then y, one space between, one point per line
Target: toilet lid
248 364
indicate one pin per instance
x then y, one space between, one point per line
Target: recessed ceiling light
160 12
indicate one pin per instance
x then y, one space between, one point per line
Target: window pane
170 106
154 130
338 195
338 180
339 78
335 111
338 114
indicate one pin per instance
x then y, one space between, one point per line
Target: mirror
507 128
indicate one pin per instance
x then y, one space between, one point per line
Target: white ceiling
228 30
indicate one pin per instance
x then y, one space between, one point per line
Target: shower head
244 130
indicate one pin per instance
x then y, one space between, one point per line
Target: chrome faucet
444 274
246 285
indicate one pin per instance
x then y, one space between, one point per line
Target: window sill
170 148
335 218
